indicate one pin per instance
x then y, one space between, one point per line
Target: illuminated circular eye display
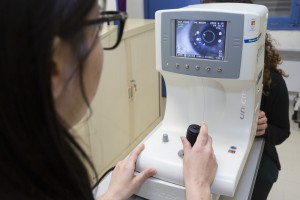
208 36
200 39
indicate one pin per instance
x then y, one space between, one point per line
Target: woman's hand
123 183
261 123
199 165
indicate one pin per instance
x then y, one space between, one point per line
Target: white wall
111 5
289 41
293 69
135 9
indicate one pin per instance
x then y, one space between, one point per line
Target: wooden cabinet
127 105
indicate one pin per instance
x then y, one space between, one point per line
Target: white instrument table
247 180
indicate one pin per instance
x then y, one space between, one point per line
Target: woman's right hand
262 123
199 165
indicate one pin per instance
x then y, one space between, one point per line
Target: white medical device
211 57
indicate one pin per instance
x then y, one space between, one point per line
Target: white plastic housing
228 106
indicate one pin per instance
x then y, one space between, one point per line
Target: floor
288 185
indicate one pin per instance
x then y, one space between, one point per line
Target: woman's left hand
261 123
124 183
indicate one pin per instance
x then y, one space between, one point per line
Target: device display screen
200 39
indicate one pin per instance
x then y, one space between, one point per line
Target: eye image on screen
200 39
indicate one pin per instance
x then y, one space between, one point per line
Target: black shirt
276 107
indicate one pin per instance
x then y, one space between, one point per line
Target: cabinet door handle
129 92
133 83
132 90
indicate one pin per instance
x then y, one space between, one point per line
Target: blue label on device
252 40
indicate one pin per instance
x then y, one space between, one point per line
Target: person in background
273 120
50 65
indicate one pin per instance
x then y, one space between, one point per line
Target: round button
165 138
187 66
219 69
197 67
180 153
208 69
177 65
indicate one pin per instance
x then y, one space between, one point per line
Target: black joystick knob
192 133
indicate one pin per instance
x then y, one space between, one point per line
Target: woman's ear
60 59
56 70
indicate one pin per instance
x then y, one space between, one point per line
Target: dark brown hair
39 157
272 60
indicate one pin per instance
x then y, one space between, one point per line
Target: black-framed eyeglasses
110 20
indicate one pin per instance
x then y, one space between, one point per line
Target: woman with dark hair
273 123
50 66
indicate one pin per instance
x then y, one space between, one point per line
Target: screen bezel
233 45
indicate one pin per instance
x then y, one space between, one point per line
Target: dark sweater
276 107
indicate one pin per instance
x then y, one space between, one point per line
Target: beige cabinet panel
127 105
145 104
109 124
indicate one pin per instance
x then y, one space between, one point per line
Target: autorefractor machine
211 57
